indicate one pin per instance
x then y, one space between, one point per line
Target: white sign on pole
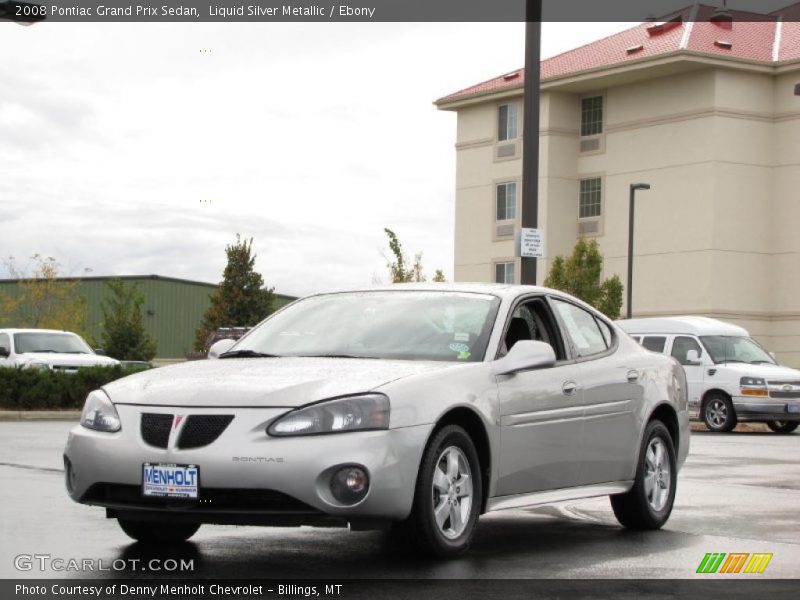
531 243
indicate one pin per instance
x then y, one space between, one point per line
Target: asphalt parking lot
739 492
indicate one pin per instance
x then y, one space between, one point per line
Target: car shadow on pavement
519 545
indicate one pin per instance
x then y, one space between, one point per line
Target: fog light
350 484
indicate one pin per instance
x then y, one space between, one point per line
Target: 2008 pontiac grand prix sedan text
416 407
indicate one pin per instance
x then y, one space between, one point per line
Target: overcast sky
126 150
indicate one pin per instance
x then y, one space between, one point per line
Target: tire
782 426
718 413
149 532
648 504
454 488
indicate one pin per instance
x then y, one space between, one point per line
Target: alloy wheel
716 412
658 475
452 492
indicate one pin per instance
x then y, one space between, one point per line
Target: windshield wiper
43 351
247 354
332 356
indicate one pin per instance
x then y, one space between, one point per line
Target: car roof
682 324
501 290
16 330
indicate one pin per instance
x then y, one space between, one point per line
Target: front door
541 430
541 413
695 370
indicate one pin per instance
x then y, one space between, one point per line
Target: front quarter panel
426 399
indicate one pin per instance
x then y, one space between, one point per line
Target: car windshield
405 325
64 343
728 348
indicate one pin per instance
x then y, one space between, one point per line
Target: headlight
753 386
99 414
39 366
354 413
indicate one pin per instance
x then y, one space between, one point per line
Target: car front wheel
649 502
718 413
149 532
782 426
448 495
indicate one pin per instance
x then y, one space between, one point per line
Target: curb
40 415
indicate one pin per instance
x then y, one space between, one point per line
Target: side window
5 342
581 327
532 320
608 334
654 343
682 345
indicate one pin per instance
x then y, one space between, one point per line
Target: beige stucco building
707 113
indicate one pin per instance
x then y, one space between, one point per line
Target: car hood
67 360
261 382
768 372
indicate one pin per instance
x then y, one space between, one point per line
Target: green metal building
172 311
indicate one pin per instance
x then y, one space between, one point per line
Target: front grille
775 390
201 430
155 428
211 500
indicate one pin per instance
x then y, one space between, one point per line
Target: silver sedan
414 407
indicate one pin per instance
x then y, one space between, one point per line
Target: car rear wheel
448 496
649 502
782 426
149 532
718 413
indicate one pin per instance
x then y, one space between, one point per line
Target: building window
504 272
592 116
507 122
591 198
506 201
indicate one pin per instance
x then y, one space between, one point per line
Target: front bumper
766 409
246 476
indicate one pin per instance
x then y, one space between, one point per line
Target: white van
731 378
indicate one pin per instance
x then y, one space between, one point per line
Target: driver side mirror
4 352
100 352
693 358
524 356
220 347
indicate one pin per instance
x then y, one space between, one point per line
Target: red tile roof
748 37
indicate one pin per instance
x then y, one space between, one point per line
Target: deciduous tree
399 269
42 298
580 275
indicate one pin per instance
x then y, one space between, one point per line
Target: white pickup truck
730 377
48 349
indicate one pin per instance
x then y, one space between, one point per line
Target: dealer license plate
793 408
170 480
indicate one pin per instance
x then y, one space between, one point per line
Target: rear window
654 343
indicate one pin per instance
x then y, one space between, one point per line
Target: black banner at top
394 10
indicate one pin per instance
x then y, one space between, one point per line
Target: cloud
126 150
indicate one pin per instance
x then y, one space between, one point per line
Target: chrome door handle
633 376
569 388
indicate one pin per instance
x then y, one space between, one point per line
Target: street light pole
530 131
634 188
